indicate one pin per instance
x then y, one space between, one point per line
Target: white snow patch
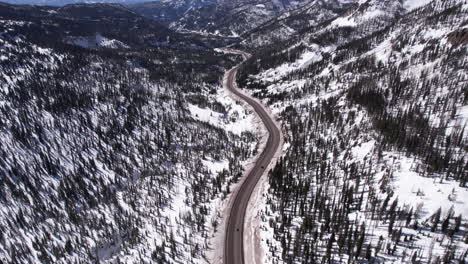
413 4
344 22
372 14
97 41
434 33
122 203
237 120
428 193
216 166
363 149
310 57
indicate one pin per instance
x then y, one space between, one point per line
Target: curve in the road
233 245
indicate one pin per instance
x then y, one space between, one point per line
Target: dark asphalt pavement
234 247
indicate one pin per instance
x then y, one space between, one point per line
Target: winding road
233 244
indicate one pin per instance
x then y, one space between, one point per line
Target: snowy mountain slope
115 22
97 41
294 22
376 168
226 18
315 16
66 2
118 146
80 20
168 11
111 155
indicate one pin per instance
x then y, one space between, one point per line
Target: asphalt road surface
234 246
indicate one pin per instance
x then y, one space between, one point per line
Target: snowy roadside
254 243
397 176
254 248
218 237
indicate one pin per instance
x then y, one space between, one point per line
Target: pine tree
68 246
368 252
445 224
360 242
408 217
436 220
384 205
414 258
392 222
458 221
328 254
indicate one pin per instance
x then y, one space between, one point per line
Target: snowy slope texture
97 41
294 22
313 15
66 2
111 156
98 21
376 112
168 11
218 17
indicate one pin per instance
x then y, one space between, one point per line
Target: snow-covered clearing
97 41
413 4
425 193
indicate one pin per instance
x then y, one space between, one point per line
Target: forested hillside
375 106
119 145
216 17
111 153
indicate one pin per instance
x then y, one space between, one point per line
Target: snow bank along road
233 245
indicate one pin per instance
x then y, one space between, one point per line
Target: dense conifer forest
368 114
101 155
118 143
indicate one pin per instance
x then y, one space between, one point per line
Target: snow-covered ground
97 41
413 4
405 179
426 193
118 167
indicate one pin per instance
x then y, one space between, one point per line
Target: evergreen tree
436 220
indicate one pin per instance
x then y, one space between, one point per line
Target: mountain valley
120 141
